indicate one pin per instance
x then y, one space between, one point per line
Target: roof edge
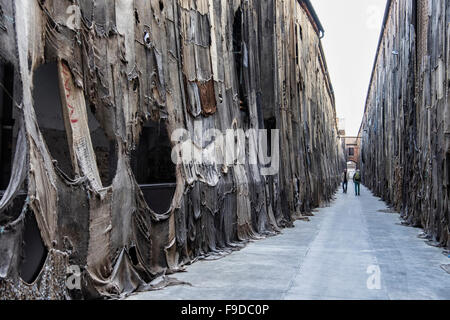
314 15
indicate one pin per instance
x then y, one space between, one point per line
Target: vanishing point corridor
331 257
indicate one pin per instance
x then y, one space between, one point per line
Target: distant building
352 147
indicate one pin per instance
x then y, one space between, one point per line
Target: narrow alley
330 257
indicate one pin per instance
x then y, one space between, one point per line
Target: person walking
357 182
345 181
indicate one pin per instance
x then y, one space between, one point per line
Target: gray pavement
353 249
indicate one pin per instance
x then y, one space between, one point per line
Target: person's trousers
344 186
357 188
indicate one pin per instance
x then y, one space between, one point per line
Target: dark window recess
49 113
270 124
448 175
153 166
238 49
34 252
105 150
9 128
351 152
133 255
13 211
9 123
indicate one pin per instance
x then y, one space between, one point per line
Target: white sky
352 29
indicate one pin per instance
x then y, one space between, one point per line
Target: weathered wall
196 64
406 127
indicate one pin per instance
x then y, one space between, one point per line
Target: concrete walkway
326 258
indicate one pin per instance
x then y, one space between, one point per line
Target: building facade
405 133
98 100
